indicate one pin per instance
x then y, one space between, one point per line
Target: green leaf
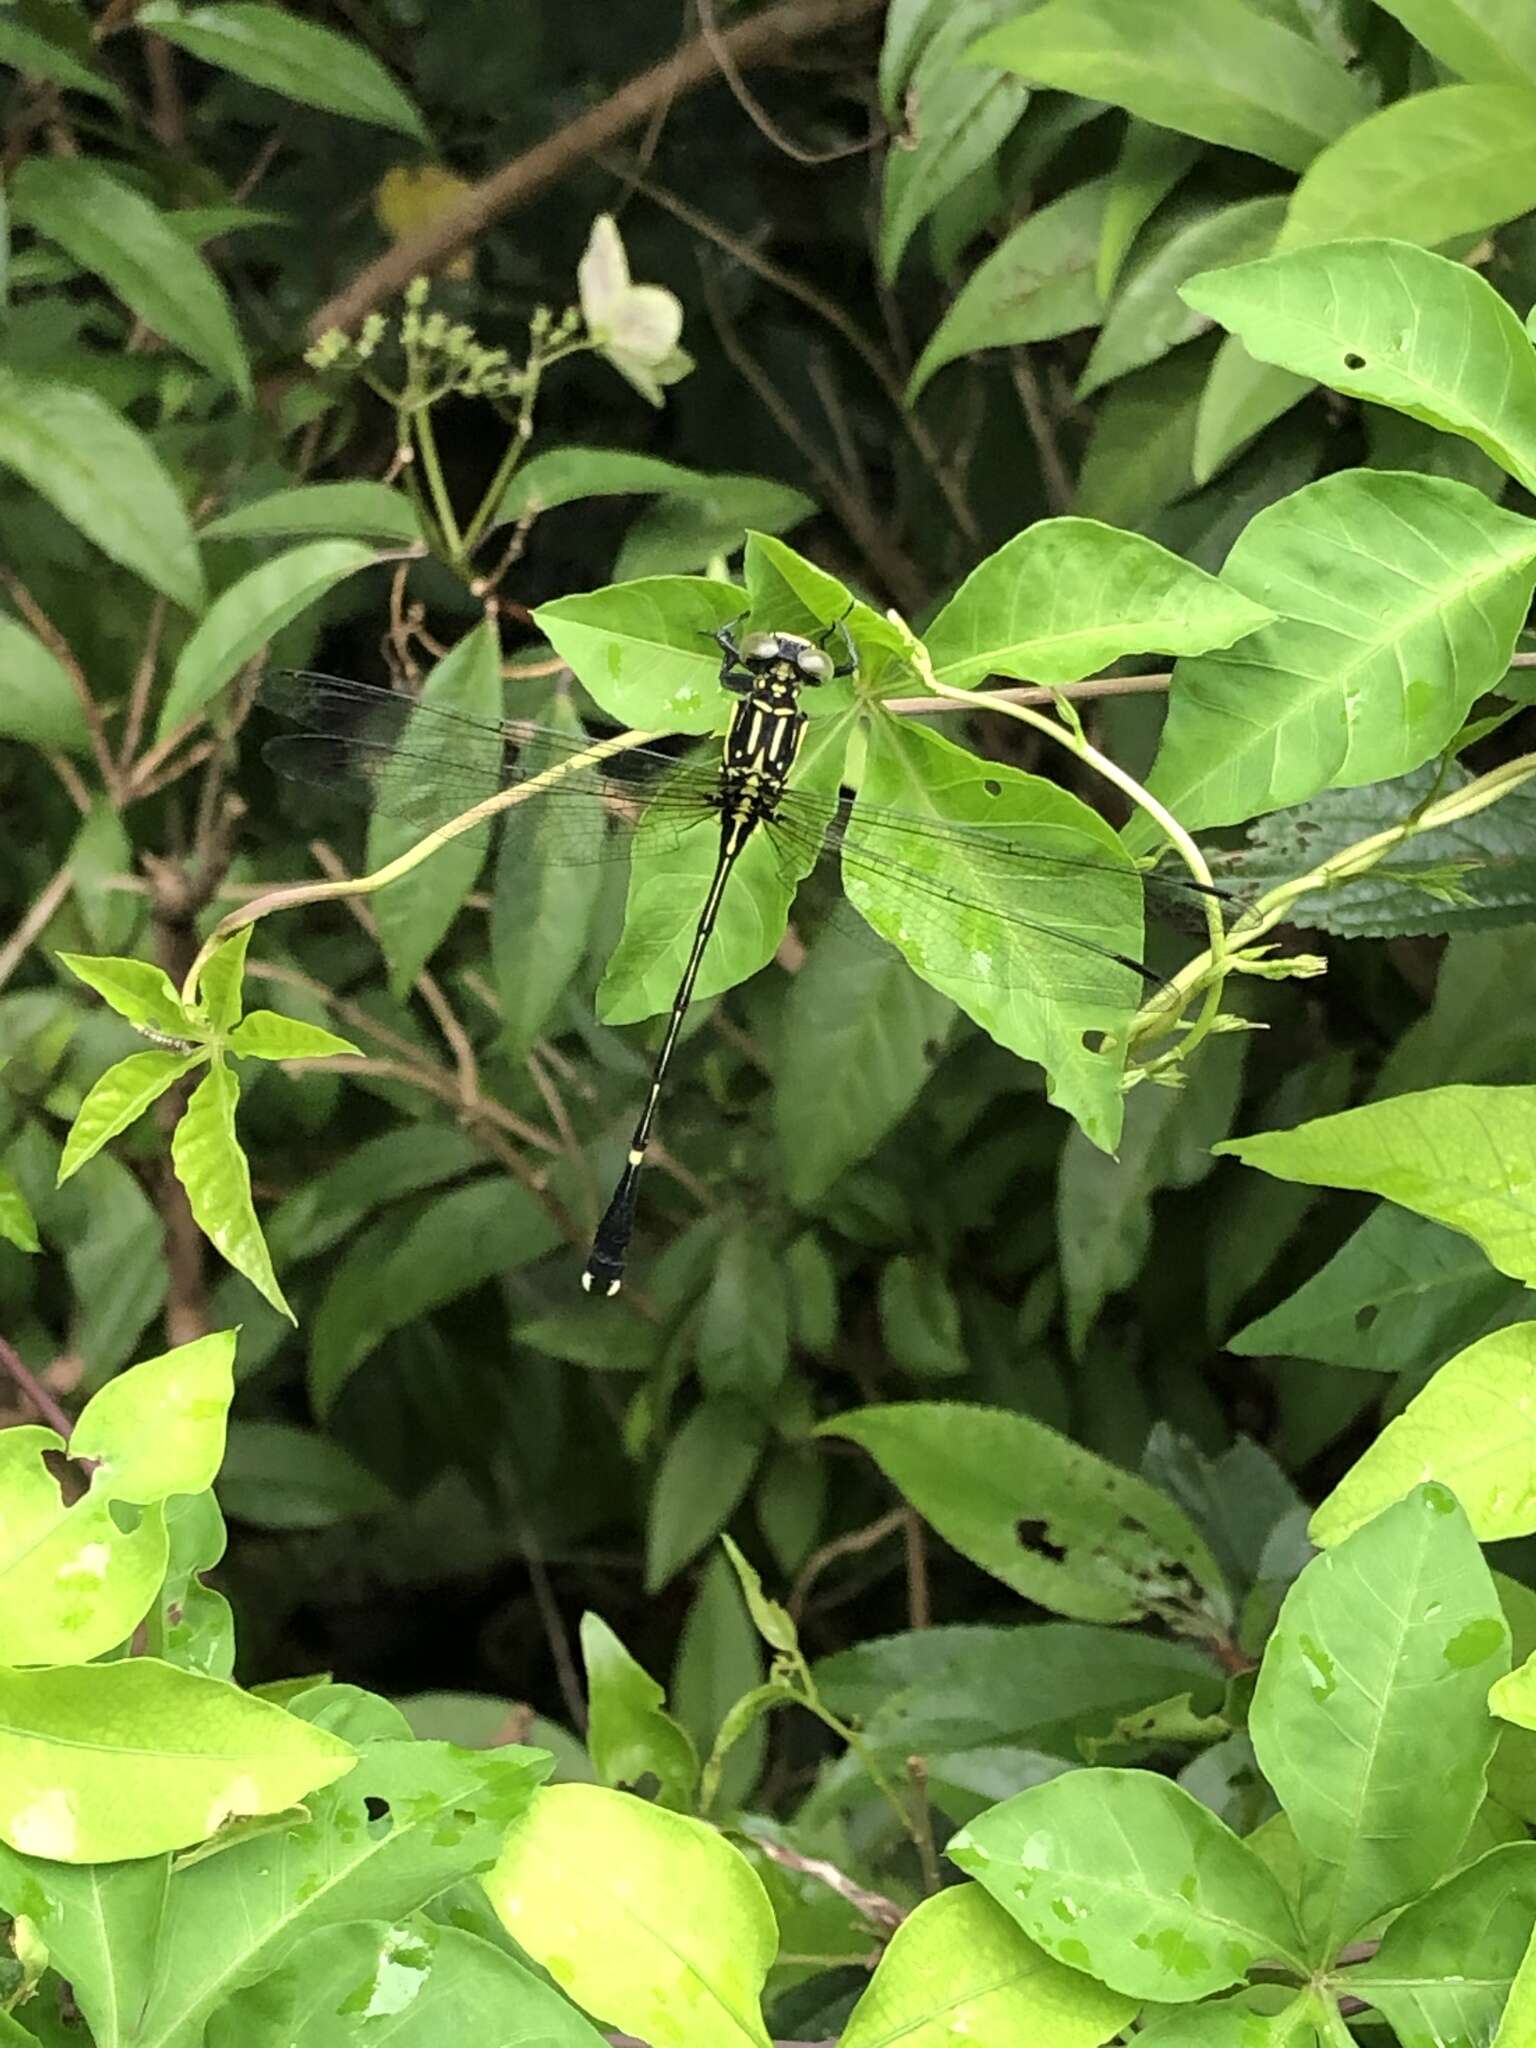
671 866
704 1472
742 1346
1227 76
861 1036
1104 1205
73 1582
101 1761
1361 677
543 899
1130 1879
483 1230
1440 164
1448 1962
279 1477
245 616
1392 323
960 1688
1403 1605
1481 39
1241 398
35 56
17 1224
1141 445
688 530
673 1930
152 1957
426 1984
1151 163
1148 317
1068 596
40 704
1473 1428
296 58
1518 2022
644 649
1047 1517
920 1320
361 510
1400 1288
415 913
1037 283
110 229
119 1098
1032 985
1462 1156
101 475
561 476
773 1623
142 993
958 117
1267 2016
221 991
719 1667
630 1735
958 1968
268 1035
210 1165
1462 878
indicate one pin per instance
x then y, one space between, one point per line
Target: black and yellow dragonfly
998 888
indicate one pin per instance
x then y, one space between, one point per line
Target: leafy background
863 1201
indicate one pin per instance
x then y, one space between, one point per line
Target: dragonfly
964 900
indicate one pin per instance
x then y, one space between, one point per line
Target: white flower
637 327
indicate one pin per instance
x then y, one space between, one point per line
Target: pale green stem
442 504
1343 866
1077 743
367 885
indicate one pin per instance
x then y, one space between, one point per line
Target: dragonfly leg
850 666
735 676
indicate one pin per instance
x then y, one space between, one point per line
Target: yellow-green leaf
212 1168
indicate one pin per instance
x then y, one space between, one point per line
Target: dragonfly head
794 659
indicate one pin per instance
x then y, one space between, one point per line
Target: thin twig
64 654
764 38
1032 693
48 900
754 109
33 1390
847 1545
1042 431
143 679
841 321
555 1632
890 563
922 1815
875 1907
919 1607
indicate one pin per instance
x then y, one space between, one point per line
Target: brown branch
48 901
1042 431
64 655
1033 693
842 1546
764 38
754 109
875 1907
33 1390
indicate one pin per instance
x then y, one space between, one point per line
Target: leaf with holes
1403 1606
1047 1517
1391 323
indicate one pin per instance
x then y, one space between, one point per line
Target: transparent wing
426 765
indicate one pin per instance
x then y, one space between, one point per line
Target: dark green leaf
360 510
703 1474
109 228
291 56
742 1344
102 476
1227 77
40 703
280 1477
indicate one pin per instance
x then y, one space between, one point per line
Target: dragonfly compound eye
760 647
814 664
